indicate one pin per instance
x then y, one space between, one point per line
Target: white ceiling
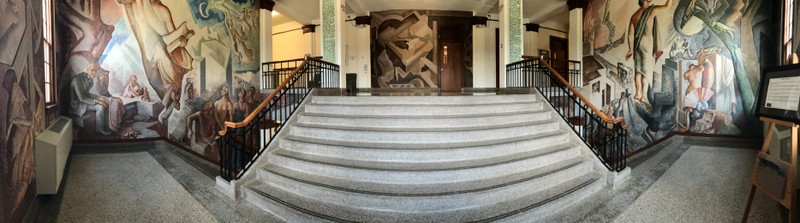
535 11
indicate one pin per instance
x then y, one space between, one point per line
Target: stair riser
277 208
425 100
578 203
410 139
449 208
434 187
424 123
432 110
441 178
421 159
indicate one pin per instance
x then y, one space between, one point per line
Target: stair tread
406 177
406 100
415 183
463 206
412 139
432 159
421 124
420 115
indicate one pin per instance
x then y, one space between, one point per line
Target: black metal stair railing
607 137
274 72
241 143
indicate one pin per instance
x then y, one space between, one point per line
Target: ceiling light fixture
361 21
480 21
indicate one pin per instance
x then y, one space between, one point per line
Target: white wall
293 44
357 55
483 56
534 41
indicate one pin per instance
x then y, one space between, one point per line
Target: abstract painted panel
404 45
21 104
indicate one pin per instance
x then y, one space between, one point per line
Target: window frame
788 31
48 30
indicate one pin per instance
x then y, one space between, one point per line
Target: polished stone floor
125 187
155 182
707 184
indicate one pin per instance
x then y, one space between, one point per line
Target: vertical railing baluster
606 140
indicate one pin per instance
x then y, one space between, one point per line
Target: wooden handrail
602 115
249 118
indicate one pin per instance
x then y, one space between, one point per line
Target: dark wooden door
558 53
451 60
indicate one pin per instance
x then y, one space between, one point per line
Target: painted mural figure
639 34
134 90
205 121
162 46
239 24
223 108
254 99
241 108
83 101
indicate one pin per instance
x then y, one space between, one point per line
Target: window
788 30
47 36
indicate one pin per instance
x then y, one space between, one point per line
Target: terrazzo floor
126 187
157 183
707 184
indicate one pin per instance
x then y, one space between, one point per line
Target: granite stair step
425 110
419 140
431 123
494 203
426 100
427 159
415 183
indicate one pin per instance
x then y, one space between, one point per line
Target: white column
266 35
511 31
332 37
576 38
576 34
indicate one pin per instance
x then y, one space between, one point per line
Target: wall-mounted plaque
779 94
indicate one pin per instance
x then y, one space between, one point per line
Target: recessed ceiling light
274 13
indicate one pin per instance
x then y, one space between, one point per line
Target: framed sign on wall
779 94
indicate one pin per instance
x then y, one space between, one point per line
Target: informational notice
783 93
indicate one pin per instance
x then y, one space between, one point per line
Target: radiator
51 152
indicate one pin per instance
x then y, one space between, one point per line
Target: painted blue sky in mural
121 33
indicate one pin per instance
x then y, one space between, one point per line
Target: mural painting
404 48
135 69
21 104
678 65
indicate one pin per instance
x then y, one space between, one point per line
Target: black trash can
351 79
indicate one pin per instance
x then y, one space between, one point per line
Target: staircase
426 159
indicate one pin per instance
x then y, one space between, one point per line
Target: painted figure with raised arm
643 42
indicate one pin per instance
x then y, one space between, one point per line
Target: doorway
451 61
451 57
558 55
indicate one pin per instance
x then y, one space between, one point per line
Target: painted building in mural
135 69
21 104
677 65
